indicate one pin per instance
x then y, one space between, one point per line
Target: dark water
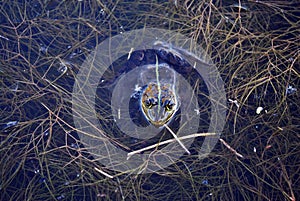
39 147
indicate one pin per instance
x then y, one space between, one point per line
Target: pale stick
168 141
104 173
176 138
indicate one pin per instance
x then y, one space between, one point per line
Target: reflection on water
148 79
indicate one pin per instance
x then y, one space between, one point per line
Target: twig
176 138
120 187
231 149
168 141
104 173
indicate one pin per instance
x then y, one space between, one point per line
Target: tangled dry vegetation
255 46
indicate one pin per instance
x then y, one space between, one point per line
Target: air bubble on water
63 67
36 171
74 145
205 182
72 55
62 196
102 195
290 90
259 109
69 46
42 180
102 12
66 183
226 19
291 59
121 27
46 133
10 124
43 48
99 17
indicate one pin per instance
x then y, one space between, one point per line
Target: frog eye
168 105
149 103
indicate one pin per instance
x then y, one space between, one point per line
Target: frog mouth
161 123
158 120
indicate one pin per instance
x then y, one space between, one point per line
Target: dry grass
255 48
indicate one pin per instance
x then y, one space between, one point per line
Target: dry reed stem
169 141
